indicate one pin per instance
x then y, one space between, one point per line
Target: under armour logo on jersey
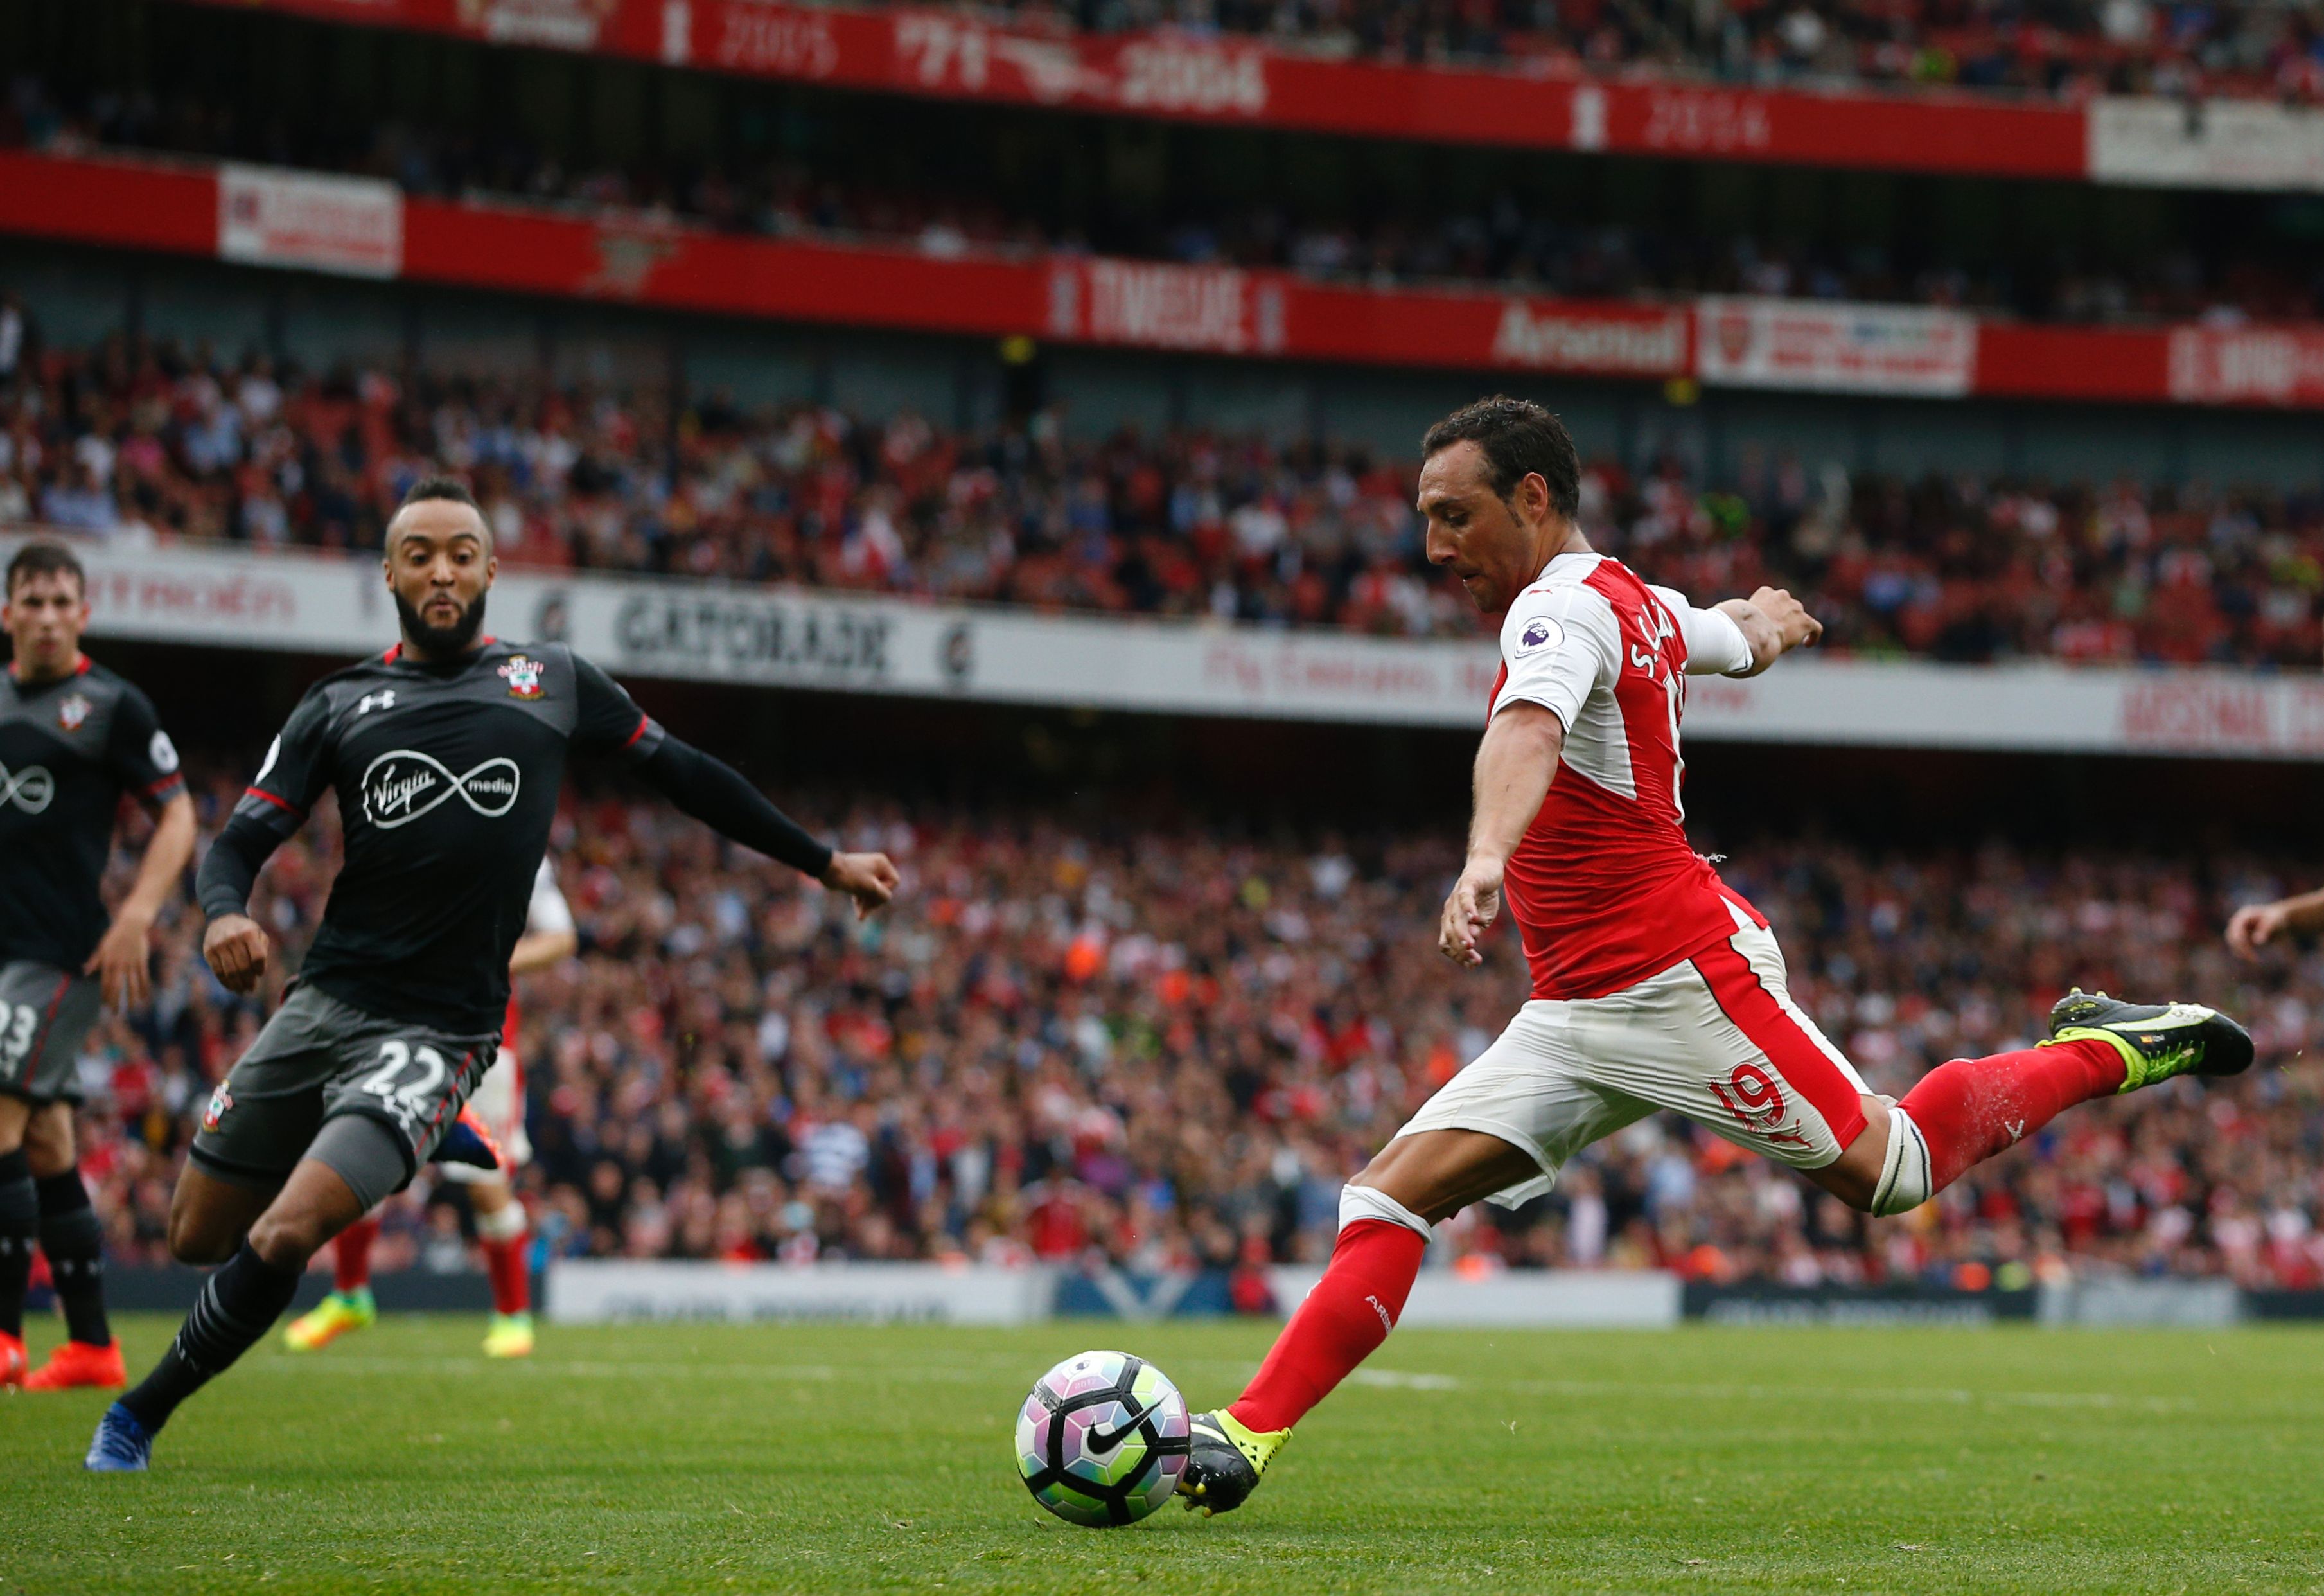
399 788
29 789
371 701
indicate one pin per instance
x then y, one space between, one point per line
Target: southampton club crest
73 711
523 677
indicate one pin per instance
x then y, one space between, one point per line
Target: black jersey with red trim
69 749
446 777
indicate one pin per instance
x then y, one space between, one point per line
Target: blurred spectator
149 441
734 1067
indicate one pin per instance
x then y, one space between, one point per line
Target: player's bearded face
436 635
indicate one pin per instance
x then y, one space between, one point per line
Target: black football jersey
446 777
69 749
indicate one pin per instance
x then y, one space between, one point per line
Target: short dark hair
1519 439
43 558
439 486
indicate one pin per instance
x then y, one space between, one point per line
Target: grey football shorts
45 1015
319 1060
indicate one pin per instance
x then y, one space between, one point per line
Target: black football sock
238 1304
75 1243
20 1228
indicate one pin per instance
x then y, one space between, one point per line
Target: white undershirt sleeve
1715 644
1559 643
548 911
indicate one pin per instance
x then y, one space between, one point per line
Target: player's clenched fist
1476 898
235 949
871 879
1793 622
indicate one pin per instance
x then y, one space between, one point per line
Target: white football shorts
1716 1038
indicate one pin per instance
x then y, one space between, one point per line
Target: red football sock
351 1254
1973 1108
512 1280
1342 1322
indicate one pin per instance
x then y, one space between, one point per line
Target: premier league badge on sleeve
221 1100
523 677
1541 632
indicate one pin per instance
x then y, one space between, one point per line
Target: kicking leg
73 1241
1966 1110
1385 1214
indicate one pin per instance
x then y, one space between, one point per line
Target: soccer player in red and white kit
1655 985
498 1109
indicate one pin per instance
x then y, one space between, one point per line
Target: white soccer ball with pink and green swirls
1102 1439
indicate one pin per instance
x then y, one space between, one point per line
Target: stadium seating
1168 1044
150 442
1575 248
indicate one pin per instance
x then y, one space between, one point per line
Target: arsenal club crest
523 677
73 711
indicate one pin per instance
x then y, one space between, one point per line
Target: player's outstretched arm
1515 764
123 962
2255 925
715 793
1774 623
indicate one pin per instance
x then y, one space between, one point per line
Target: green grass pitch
781 1458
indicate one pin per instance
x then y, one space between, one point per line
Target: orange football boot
12 1360
77 1363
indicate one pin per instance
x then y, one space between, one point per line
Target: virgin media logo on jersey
399 788
30 789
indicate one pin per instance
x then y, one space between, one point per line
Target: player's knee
49 1144
287 1240
192 1240
1360 1201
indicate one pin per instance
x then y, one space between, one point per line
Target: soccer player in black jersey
74 738
446 753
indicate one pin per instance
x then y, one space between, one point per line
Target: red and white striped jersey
1605 889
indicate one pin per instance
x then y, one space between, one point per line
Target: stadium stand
146 441
2066 52
1166 1045
2187 257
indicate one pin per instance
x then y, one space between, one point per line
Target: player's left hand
121 963
1475 901
1792 621
871 879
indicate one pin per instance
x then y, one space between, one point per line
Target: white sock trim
1906 1173
503 1225
1363 1202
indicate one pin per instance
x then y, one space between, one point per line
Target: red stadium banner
1186 76
355 226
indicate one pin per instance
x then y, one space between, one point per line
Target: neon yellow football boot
511 1336
1224 1461
2156 1040
334 1316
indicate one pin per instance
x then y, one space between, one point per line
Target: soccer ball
1102 1439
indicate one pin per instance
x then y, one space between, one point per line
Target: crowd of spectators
145 442
2207 271
1165 1045
2064 50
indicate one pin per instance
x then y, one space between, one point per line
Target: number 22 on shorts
407 1100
